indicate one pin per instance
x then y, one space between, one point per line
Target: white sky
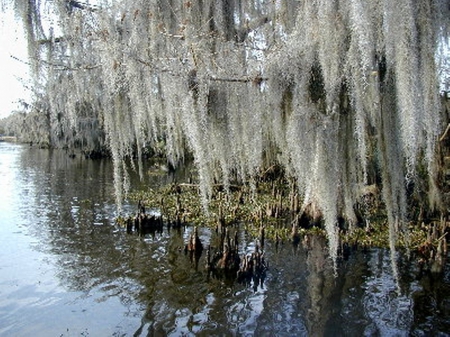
13 43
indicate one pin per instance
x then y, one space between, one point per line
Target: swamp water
67 270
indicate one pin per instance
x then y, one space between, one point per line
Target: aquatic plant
325 89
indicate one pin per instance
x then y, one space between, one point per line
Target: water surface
67 270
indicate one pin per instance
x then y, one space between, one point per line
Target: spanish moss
339 94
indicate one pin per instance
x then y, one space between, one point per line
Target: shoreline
11 139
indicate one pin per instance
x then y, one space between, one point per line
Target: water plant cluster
272 211
340 94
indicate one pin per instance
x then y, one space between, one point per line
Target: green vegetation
272 205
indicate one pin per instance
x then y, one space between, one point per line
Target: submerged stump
226 259
194 244
144 223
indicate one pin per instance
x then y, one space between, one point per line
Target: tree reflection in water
168 293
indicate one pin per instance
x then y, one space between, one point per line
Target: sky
12 43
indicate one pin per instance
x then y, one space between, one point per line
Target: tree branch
82 5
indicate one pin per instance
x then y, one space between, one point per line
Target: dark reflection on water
67 270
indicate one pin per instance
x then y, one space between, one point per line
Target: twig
445 133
